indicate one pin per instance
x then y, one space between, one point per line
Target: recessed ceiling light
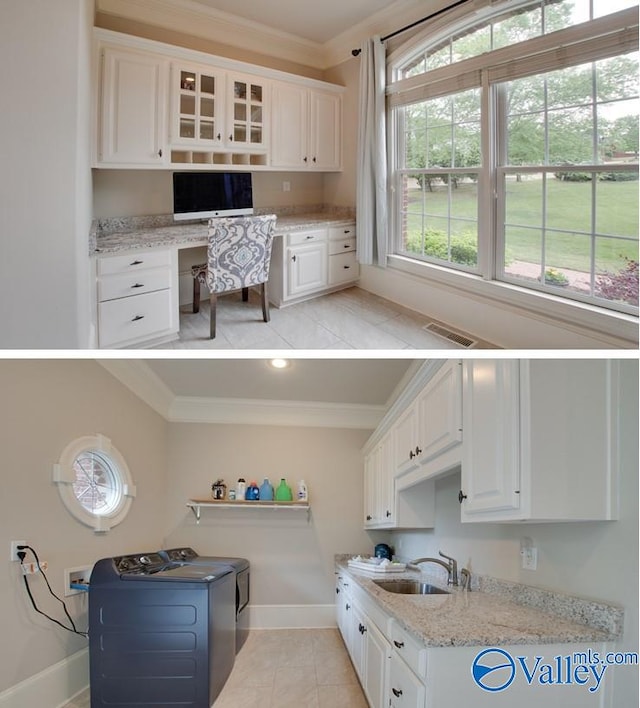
279 363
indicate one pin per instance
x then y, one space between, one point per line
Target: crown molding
202 21
306 414
139 378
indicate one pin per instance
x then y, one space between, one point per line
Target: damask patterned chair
238 257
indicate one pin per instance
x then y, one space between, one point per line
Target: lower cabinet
137 298
311 262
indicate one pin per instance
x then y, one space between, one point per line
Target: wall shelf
196 505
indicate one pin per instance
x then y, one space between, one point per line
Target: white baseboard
54 686
291 616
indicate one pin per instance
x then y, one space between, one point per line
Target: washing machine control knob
145 560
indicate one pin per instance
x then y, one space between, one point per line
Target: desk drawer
343 267
344 245
111 287
133 262
301 237
131 318
337 233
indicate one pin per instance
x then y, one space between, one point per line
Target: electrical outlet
530 558
286 186
78 575
14 549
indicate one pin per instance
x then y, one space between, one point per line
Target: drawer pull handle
136 263
399 645
346 245
347 267
397 692
138 285
137 317
309 238
347 231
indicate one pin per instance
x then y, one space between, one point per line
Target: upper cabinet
197 100
540 440
162 106
306 128
131 125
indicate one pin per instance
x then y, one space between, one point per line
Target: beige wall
46 405
145 192
291 558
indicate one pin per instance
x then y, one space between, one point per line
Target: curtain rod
356 52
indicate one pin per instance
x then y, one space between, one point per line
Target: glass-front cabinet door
247 112
197 106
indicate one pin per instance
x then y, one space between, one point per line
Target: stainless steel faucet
451 566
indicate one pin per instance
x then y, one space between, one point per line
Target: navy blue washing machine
240 567
161 633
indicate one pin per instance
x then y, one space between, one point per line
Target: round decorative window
94 482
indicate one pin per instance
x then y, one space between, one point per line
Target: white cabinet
247 112
306 258
343 264
379 502
302 263
376 671
197 101
405 688
132 109
307 128
428 434
137 299
540 440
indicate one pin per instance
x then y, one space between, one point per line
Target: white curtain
371 197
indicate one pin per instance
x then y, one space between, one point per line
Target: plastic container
266 490
241 489
253 492
283 492
303 494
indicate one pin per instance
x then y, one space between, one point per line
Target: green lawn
568 210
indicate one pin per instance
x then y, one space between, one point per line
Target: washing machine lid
152 566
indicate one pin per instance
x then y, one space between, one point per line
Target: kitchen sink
410 587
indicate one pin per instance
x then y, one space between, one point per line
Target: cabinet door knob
294 258
388 514
218 136
369 517
305 160
160 152
314 159
418 450
461 496
231 138
347 606
397 692
399 645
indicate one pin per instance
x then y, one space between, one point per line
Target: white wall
45 196
598 560
45 405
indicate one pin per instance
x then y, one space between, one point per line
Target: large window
516 148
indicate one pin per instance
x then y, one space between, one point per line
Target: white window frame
64 477
485 70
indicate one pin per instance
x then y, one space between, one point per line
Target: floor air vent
445 333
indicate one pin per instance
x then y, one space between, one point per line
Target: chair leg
265 303
196 295
213 298
245 294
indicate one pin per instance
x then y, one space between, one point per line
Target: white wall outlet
286 186
79 575
530 558
14 549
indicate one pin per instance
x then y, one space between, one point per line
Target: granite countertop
138 233
493 618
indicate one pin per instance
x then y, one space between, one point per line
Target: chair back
239 252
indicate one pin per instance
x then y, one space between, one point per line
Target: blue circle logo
493 669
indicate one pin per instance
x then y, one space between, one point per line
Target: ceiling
334 393
316 21
351 381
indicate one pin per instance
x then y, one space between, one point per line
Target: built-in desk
138 270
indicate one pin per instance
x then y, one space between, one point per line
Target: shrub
464 247
622 286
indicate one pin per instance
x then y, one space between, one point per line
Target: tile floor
287 668
348 319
